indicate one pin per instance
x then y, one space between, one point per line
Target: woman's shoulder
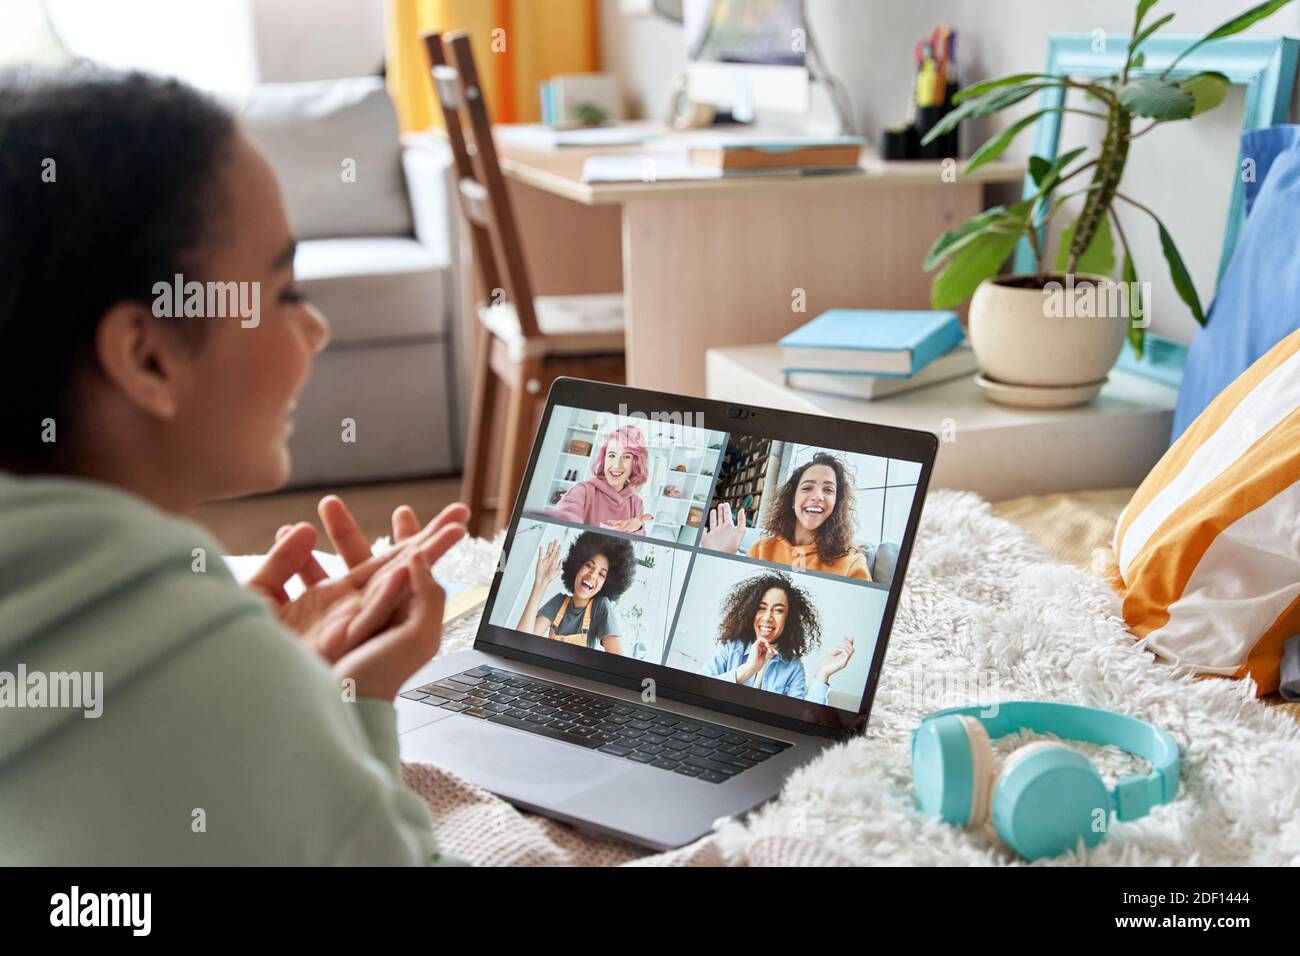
136 589
87 528
95 547
770 547
578 491
853 565
552 604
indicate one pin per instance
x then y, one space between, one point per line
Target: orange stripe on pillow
1160 570
1265 661
1206 424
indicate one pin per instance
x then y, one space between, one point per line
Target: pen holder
946 146
899 142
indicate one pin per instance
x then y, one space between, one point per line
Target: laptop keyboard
625 731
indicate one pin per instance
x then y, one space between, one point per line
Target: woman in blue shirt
768 626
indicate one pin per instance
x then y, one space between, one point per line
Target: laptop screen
762 564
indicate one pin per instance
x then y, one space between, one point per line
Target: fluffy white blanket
987 614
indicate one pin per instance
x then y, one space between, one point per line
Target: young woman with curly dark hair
595 572
768 626
810 523
148 180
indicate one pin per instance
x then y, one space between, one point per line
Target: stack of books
869 354
740 155
725 157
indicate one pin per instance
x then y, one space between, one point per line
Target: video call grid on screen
631 541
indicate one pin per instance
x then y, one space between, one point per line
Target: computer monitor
747 56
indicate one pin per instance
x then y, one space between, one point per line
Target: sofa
376 256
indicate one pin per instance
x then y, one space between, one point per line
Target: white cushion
571 324
397 398
1208 550
308 132
375 289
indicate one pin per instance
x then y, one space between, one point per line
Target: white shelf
997 451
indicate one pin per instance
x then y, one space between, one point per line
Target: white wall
318 39
1183 171
207 44
28 36
227 44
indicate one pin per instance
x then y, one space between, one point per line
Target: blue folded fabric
1257 303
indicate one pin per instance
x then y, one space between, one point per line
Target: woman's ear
148 363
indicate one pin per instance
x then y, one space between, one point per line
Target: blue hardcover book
890 344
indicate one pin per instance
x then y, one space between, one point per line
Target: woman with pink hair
609 498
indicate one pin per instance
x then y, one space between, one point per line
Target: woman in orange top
809 526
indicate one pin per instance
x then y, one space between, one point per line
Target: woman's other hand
759 656
316 614
629 525
395 631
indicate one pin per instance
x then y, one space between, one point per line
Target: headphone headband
1133 795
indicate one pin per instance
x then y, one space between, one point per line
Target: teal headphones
1044 798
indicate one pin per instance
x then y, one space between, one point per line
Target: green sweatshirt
219 739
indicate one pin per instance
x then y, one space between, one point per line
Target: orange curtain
517 45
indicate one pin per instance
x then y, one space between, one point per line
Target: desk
733 261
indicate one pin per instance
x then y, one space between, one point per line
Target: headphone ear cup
1046 798
951 767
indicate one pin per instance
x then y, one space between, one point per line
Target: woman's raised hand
724 533
835 661
548 566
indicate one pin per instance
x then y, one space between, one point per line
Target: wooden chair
524 342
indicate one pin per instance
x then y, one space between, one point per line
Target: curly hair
803 630
633 442
834 538
617 551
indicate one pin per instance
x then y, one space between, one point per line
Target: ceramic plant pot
1062 336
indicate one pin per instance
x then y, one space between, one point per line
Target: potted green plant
1026 329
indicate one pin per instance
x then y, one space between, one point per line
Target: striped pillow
1208 550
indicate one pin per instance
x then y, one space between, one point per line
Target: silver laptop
693 600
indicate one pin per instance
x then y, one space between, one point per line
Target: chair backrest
479 181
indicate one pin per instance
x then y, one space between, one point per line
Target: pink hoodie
594 502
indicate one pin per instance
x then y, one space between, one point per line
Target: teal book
872 342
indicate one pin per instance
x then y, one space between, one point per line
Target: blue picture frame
1265 66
